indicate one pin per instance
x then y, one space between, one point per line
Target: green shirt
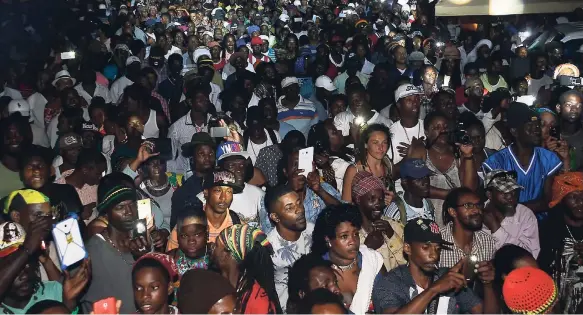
10 181
50 290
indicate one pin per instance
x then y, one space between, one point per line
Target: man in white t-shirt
409 126
359 113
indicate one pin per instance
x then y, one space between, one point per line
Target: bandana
240 239
565 184
365 182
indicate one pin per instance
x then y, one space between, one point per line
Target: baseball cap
529 290
325 82
230 148
197 138
256 41
19 106
406 90
12 235
284 17
89 126
424 231
132 59
221 178
69 141
289 81
519 114
504 181
414 168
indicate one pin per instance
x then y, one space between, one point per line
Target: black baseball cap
423 231
222 178
519 114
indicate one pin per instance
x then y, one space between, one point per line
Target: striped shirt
302 116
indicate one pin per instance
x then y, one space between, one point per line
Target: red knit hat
529 290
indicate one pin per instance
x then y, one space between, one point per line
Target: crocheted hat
529 290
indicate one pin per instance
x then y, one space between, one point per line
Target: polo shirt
397 289
543 164
302 117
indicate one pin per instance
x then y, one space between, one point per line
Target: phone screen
145 212
306 158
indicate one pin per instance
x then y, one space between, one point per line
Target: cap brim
236 188
241 154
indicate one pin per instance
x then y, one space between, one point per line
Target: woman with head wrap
243 256
561 253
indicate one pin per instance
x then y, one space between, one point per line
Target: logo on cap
69 140
224 177
434 227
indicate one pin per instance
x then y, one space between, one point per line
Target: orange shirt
213 233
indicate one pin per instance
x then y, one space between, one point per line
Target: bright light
524 35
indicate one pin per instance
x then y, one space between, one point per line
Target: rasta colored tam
241 238
18 198
108 197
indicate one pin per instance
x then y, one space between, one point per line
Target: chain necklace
345 268
571 234
108 239
155 188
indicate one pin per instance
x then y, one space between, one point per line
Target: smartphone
469 268
140 229
145 212
305 161
219 132
555 133
105 306
67 55
446 80
68 241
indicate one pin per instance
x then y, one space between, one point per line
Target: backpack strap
402 210
272 135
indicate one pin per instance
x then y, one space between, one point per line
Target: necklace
184 263
157 189
407 135
106 237
571 234
344 268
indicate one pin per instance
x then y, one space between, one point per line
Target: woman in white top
257 137
332 157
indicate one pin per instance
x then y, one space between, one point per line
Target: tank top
151 129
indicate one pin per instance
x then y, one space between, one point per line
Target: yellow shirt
392 249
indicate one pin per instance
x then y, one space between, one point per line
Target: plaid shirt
483 246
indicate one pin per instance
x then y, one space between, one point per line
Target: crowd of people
446 160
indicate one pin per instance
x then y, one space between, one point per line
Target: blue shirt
50 290
313 205
284 128
302 117
543 164
322 112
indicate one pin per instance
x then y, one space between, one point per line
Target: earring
328 244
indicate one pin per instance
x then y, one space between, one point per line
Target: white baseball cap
132 59
325 82
19 106
284 17
289 81
406 90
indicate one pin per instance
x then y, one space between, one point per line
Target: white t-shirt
534 85
253 148
401 134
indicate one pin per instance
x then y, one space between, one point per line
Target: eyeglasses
509 175
470 206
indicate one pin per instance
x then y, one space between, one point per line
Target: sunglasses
470 206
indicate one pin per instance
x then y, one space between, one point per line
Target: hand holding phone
106 306
470 267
